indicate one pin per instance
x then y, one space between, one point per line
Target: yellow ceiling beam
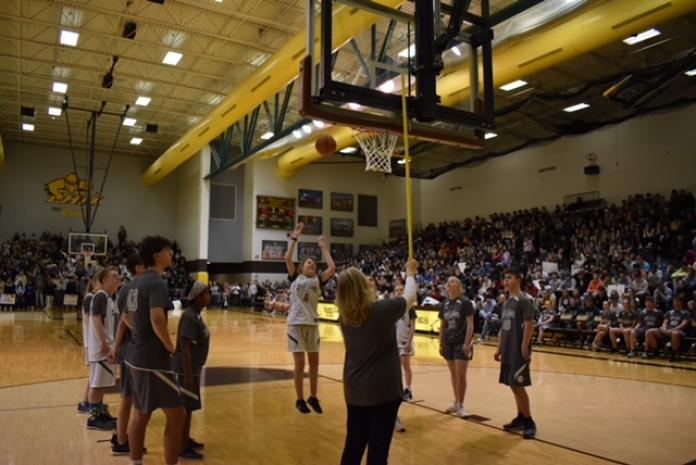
272 76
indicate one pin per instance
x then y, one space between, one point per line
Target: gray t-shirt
650 318
454 312
146 349
102 306
372 370
516 311
193 328
122 305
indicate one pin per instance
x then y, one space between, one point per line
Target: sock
95 408
408 387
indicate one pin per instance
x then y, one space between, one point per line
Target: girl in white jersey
303 320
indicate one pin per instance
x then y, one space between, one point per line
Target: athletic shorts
192 397
102 375
153 389
515 375
125 383
303 338
455 351
640 332
402 345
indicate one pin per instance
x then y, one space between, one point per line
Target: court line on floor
561 446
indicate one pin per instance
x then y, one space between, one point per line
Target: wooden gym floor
587 410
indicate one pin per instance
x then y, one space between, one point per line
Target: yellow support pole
407 159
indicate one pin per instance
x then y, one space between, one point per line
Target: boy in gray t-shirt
515 351
152 380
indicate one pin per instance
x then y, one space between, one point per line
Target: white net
378 147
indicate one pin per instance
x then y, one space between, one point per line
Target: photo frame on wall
342 227
397 228
314 225
273 250
340 252
308 249
275 213
341 202
310 199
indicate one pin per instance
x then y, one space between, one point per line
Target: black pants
370 427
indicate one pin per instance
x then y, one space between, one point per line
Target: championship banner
7 299
275 213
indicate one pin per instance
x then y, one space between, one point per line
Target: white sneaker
454 408
461 411
398 426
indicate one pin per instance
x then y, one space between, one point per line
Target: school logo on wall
66 191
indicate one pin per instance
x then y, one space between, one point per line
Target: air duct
272 76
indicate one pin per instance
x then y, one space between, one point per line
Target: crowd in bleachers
39 272
578 259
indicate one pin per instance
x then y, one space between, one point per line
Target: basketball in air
325 145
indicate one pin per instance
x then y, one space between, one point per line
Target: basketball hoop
378 147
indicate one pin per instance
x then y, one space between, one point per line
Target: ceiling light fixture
172 58
143 101
319 124
691 72
513 85
307 129
129 121
578 107
267 135
136 141
641 36
401 161
69 37
60 87
27 127
456 51
55 111
410 51
386 87
348 150
490 135
297 134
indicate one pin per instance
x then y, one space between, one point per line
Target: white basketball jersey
109 322
304 298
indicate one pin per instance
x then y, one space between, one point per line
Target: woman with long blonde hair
371 372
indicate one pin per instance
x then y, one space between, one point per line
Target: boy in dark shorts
192 343
119 441
152 381
515 351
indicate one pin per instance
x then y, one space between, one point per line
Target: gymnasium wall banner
67 191
314 225
341 202
342 227
308 249
341 252
397 228
310 199
273 250
275 213
426 322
